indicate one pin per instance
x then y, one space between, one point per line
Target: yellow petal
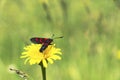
24 56
24 53
44 63
26 60
50 60
55 57
59 53
32 61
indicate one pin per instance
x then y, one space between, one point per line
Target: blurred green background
91 30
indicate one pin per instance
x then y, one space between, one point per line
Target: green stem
43 71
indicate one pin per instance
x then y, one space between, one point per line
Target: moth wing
37 40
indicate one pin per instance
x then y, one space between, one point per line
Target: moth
44 41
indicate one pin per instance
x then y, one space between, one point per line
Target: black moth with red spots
44 41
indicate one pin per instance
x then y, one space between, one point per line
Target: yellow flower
118 54
34 56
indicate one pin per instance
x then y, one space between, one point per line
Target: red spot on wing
41 40
45 38
36 39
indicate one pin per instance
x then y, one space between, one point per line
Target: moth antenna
58 37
